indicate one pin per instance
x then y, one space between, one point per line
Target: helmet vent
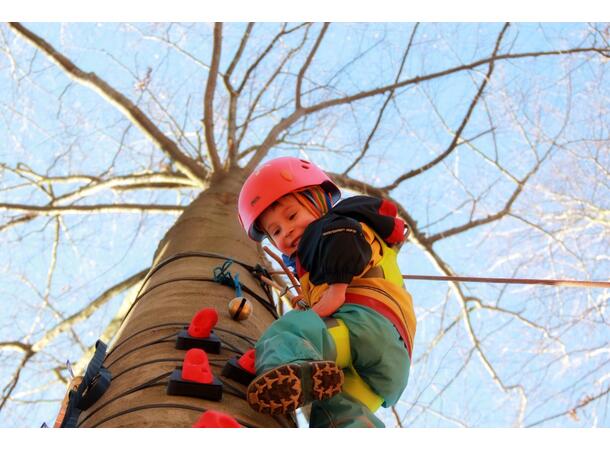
286 175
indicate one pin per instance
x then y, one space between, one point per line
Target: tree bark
143 353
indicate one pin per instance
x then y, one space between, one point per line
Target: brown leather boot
291 386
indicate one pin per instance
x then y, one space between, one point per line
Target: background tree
492 139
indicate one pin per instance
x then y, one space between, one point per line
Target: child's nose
289 232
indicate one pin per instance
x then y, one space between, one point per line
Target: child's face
286 223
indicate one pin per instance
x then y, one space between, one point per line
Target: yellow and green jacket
353 243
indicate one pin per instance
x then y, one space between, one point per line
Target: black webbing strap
95 382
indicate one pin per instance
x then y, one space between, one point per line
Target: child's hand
331 300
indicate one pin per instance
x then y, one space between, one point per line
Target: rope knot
224 277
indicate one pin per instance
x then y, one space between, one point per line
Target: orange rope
282 292
564 283
548 282
294 300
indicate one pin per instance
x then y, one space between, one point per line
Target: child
351 351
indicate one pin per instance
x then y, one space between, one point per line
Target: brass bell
240 308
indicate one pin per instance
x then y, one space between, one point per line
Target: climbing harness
353 384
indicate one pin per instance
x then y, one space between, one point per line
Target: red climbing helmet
272 181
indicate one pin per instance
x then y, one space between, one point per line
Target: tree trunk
143 351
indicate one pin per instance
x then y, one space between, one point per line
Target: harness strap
353 384
93 385
374 272
385 311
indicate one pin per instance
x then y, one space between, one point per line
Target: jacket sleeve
379 214
333 249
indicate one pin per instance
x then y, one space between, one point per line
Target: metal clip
69 367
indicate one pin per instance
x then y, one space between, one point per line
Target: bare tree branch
519 189
208 103
239 52
233 97
397 417
490 218
572 411
95 184
87 209
12 384
305 66
253 105
66 325
283 32
184 163
298 113
443 73
385 104
129 182
521 318
458 134
45 296
89 310
15 346
16 221
171 44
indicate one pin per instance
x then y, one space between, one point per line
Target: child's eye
292 216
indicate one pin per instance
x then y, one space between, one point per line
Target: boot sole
288 387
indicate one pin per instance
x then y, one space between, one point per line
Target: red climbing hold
196 367
215 419
199 333
246 361
202 323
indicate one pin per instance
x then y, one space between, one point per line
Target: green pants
378 355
